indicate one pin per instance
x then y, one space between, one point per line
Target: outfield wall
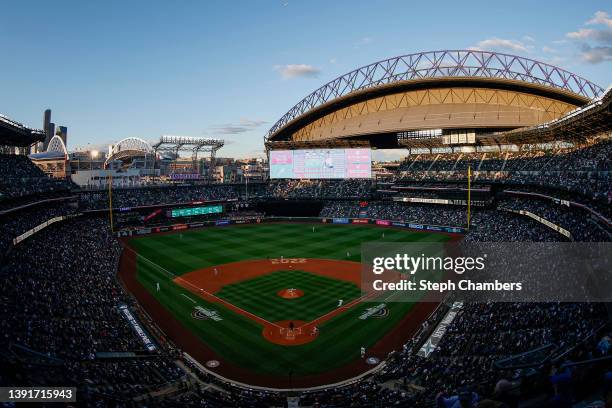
129 232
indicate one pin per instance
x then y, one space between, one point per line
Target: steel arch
56 144
129 147
443 64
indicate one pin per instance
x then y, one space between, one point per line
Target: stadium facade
434 99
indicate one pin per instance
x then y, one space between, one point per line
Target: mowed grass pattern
259 295
238 339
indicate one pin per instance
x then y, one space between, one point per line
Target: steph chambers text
446 286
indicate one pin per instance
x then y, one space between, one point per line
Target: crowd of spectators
582 226
293 189
581 170
602 208
487 225
134 197
320 189
15 225
19 177
497 226
393 211
463 364
283 189
59 302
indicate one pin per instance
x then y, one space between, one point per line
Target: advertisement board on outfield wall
360 221
339 220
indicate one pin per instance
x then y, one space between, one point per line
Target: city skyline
231 70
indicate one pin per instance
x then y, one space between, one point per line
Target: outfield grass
238 339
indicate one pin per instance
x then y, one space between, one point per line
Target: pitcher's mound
290 293
290 333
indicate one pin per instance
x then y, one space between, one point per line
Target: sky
230 69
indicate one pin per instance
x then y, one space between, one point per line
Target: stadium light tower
175 144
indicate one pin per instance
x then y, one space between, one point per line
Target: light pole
246 185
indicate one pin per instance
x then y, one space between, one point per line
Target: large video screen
193 211
321 164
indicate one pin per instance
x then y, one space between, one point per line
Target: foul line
337 311
240 310
344 308
202 292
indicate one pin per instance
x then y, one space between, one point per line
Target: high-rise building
48 128
63 133
51 134
47 119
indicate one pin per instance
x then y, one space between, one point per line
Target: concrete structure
101 178
16 138
54 161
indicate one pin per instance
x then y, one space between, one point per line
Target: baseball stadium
163 273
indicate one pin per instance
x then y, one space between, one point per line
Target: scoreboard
194 211
321 164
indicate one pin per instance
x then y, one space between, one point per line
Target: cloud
500 44
528 38
242 126
595 55
600 17
291 71
549 50
588 37
602 36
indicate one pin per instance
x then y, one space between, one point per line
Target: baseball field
273 300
